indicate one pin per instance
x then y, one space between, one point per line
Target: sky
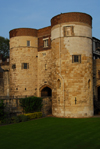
38 13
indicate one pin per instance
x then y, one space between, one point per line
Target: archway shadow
46 94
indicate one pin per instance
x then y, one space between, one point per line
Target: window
7 59
68 31
13 66
76 58
45 42
0 61
58 84
45 66
25 65
28 43
44 54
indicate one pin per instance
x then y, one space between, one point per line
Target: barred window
45 43
13 66
28 43
68 31
76 58
25 65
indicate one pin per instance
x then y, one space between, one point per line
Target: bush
23 118
31 115
39 114
15 119
6 121
34 115
31 104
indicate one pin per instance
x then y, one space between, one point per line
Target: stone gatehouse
59 61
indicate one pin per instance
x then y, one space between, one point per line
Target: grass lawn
52 133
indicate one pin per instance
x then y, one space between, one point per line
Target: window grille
76 58
28 43
45 43
25 65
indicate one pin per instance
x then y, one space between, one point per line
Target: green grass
52 133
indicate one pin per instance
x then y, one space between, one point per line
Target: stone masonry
56 58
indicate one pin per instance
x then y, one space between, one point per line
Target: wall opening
58 84
89 83
97 101
46 92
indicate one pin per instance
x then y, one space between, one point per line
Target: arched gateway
46 94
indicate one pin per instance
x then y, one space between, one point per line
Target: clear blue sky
38 13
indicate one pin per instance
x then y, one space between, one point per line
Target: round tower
71 37
23 62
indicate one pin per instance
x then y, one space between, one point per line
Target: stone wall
23 81
4 81
12 105
52 66
74 96
1 87
96 78
44 70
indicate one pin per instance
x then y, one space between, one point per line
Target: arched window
58 84
46 92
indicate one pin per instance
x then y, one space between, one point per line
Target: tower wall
44 59
23 79
72 92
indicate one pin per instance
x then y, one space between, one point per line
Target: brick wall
23 32
44 33
41 43
72 17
